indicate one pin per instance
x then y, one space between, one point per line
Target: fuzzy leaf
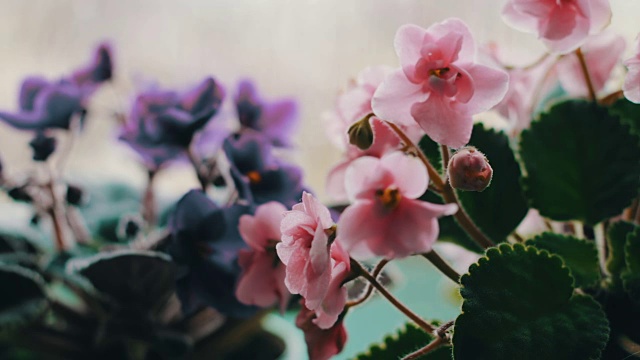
519 304
23 299
407 340
581 163
628 112
631 275
616 240
580 256
501 207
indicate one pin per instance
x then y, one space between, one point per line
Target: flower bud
469 170
361 134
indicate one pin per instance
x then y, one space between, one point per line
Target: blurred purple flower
275 120
47 104
258 176
162 123
206 241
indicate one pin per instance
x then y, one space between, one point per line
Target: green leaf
581 163
628 112
23 300
519 304
631 275
500 208
139 280
407 340
580 256
431 150
616 241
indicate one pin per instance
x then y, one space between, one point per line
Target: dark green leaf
519 304
631 275
581 163
580 256
431 150
23 299
405 341
500 208
628 112
616 240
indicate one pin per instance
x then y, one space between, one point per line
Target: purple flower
206 241
259 177
47 104
275 120
162 123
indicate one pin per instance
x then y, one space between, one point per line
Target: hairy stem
435 344
369 290
587 77
601 245
395 302
442 265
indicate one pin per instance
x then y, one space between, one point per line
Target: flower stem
53 213
395 302
369 290
149 201
442 265
601 245
587 77
447 192
432 346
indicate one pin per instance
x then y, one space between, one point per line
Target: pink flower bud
469 170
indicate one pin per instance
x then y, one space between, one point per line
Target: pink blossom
439 86
305 250
385 218
322 344
385 140
563 25
601 53
334 301
631 85
262 280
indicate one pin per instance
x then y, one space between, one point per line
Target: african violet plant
194 283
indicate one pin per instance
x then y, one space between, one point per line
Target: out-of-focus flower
563 25
162 123
258 176
336 297
262 280
385 140
631 85
601 52
47 104
439 85
275 120
322 344
305 250
43 146
385 219
205 240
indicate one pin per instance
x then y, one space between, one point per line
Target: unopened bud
42 146
469 170
361 134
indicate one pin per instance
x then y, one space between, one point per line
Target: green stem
355 266
442 265
369 290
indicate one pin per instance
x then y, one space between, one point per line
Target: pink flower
601 53
305 250
631 85
262 280
563 25
385 219
334 301
322 344
385 140
439 86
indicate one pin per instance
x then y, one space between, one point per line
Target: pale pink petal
261 283
573 40
384 138
319 252
407 42
518 20
491 86
600 12
358 226
393 99
257 230
559 24
631 87
354 104
453 25
357 175
373 76
335 185
442 122
336 128
409 173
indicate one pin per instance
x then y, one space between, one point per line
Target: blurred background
307 49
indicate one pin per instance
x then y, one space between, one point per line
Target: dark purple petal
248 152
30 88
99 70
43 146
204 100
